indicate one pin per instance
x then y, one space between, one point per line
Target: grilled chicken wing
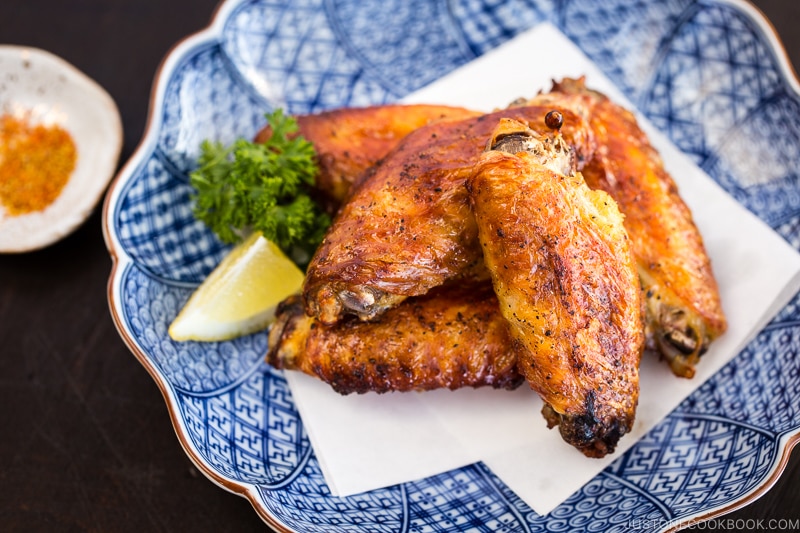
349 141
563 271
408 227
453 337
684 313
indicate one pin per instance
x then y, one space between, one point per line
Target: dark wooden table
85 440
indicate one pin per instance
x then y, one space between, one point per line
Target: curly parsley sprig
262 187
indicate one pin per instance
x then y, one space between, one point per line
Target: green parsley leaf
262 187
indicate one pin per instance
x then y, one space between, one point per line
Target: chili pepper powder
36 162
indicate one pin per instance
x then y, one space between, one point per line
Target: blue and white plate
711 74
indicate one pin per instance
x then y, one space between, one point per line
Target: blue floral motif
704 72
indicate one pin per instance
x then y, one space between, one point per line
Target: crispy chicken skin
564 274
349 141
451 338
684 313
408 227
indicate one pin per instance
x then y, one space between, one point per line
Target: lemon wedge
240 295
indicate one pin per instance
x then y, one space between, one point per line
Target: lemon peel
240 295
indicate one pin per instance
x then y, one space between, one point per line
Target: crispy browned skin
451 338
349 141
684 313
563 271
408 227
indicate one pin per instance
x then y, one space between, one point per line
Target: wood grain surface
86 443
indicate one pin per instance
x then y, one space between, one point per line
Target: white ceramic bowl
53 92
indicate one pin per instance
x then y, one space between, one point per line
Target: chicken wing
450 338
563 271
349 141
408 227
684 313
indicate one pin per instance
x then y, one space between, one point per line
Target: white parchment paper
365 442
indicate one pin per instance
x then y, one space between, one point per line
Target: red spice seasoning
36 162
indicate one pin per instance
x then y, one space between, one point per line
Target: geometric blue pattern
305 504
191 106
291 54
486 25
605 31
699 59
703 72
252 433
157 228
149 306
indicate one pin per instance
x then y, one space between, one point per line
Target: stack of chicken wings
544 242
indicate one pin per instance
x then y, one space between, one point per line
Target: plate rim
121 262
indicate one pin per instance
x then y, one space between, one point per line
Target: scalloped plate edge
121 262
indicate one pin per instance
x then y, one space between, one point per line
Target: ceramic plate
47 90
709 74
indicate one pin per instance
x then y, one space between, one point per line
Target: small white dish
51 91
